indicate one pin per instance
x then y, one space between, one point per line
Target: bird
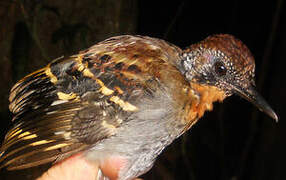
128 96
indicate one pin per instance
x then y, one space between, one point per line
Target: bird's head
226 63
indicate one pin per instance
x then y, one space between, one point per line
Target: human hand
77 168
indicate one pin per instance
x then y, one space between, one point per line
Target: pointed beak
251 95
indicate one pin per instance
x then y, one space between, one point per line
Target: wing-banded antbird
127 96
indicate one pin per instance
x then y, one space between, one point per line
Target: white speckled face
226 63
214 67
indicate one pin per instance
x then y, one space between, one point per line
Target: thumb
73 168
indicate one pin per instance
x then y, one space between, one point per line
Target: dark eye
220 69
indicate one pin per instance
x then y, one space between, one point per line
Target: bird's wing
77 101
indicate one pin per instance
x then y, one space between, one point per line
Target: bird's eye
220 69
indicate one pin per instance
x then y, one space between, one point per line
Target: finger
112 165
73 168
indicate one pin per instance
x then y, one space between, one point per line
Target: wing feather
48 124
74 102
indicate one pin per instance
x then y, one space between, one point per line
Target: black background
235 141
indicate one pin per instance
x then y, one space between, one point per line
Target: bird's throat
202 99
207 95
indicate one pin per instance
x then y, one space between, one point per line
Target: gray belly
140 141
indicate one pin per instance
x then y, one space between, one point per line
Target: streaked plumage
127 96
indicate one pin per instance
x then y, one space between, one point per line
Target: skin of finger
111 166
73 168
77 168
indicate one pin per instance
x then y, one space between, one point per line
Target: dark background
233 142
